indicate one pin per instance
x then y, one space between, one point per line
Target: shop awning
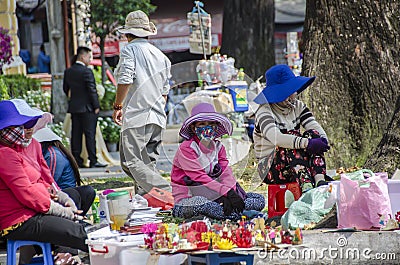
173 35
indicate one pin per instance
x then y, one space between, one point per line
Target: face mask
26 142
289 103
15 135
206 132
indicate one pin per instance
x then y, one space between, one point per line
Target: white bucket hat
46 135
138 24
41 132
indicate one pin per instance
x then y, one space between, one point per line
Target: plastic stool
13 245
276 197
215 258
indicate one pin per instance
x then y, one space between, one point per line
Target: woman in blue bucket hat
32 209
285 153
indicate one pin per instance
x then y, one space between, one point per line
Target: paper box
238 90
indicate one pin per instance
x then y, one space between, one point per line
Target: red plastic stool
276 197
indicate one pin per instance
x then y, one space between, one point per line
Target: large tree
248 34
106 16
353 49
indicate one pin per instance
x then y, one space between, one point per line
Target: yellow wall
8 20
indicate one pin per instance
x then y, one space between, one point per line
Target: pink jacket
196 162
23 183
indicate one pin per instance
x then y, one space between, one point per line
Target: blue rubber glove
317 146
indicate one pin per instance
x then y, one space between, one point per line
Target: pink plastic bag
363 199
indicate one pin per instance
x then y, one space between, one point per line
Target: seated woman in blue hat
285 153
33 208
202 181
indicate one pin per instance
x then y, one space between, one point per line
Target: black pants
83 196
84 123
52 229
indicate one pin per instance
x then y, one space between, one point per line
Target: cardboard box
238 90
394 195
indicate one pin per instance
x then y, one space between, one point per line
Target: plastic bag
364 199
309 208
139 202
160 198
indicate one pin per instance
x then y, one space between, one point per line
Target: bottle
240 75
104 213
95 212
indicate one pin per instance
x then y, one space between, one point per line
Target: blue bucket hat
17 112
281 83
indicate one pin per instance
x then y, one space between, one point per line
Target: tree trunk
103 60
248 34
353 49
59 101
386 157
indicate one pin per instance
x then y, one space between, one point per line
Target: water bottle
95 210
240 75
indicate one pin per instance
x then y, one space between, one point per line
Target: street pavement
164 164
328 247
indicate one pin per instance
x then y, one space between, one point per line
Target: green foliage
107 15
3 90
19 85
107 101
29 89
38 99
97 75
110 130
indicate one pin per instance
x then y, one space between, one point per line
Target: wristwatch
117 106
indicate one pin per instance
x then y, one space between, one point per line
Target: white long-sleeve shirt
148 71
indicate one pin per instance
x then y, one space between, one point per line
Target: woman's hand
65 259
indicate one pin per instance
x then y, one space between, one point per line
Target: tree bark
386 157
103 60
248 35
59 102
353 49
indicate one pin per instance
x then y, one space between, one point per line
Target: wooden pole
66 34
74 34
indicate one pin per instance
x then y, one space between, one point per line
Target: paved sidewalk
164 164
367 247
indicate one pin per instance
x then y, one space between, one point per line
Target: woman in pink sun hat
202 181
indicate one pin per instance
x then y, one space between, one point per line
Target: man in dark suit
80 88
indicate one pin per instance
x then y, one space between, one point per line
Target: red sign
111 48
